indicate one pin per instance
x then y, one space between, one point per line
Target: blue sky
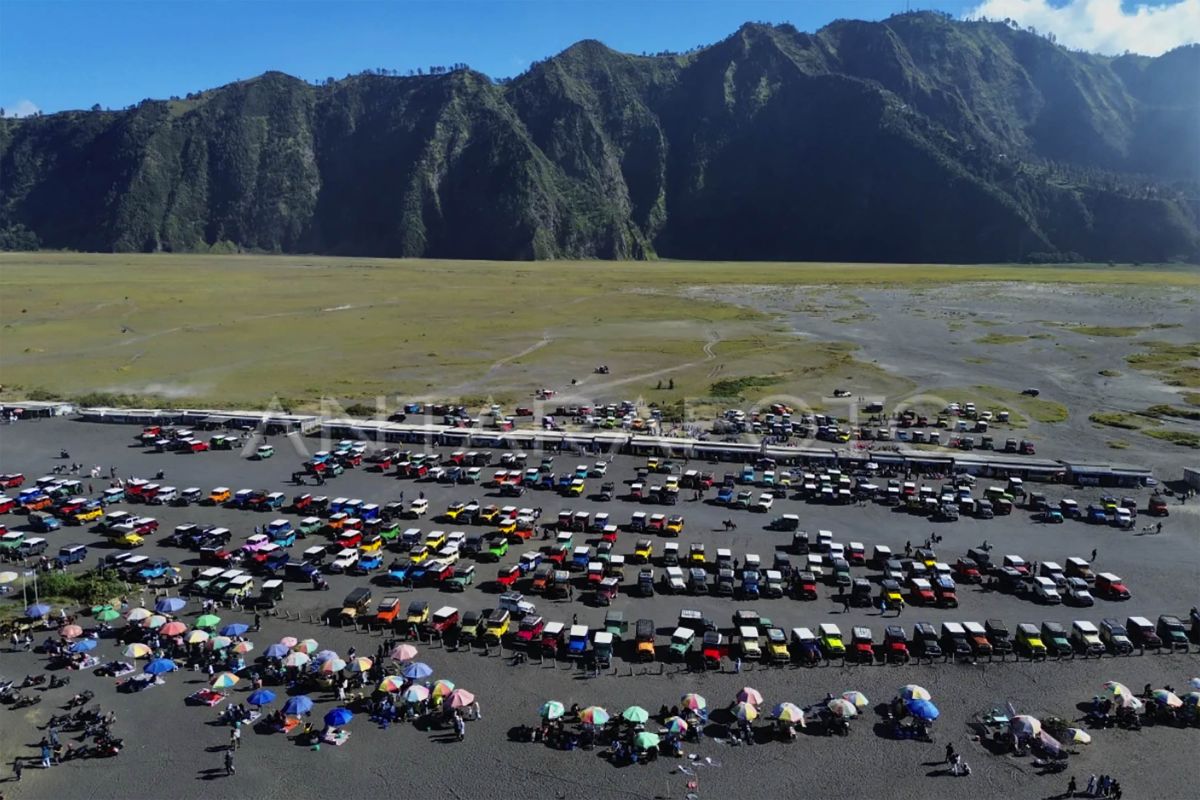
62 54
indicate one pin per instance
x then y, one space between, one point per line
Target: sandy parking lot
172 748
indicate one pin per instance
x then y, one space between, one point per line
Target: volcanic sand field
232 331
172 749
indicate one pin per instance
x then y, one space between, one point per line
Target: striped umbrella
173 628
403 652
295 660
197 637
224 680
594 715
289 641
416 693
1116 688
552 709
154 621
309 646
1191 699
461 698
858 698
842 708
71 632
1078 736
219 642
694 702
1025 725
748 695
360 664
243 647
137 650
789 712
676 725
745 711
1168 698
914 692
138 614
392 683
322 657
332 665
443 688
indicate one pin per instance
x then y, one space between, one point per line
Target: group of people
1102 786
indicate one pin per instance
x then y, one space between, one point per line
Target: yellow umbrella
197 637
137 650
139 614
858 698
745 711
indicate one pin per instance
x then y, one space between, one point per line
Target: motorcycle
24 701
32 680
106 747
81 699
56 682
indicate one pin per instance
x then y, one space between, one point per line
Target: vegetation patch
1110 373
1000 338
1120 419
1180 438
88 588
1192 398
1117 444
1105 330
1170 362
1164 410
735 387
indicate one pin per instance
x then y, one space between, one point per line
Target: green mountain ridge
915 139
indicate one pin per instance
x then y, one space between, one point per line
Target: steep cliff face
913 139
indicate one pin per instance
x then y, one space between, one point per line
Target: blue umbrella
169 605
300 704
923 710
83 646
277 651
262 697
235 629
417 670
37 610
338 716
160 665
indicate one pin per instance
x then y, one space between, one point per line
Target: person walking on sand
229 769
1093 554
1090 791
949 753
235 737
18 766
1071 787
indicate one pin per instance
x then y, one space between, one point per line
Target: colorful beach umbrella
138 614
261 697
338 716
923 710
108 614
360 664
1191 699
322 656
71 632
745 711
137 650
295 660
676 725
416 693
594 715
234 629
173 628
392 683
8 577
309 646
403 652
332 665
749 695
1116 688
154 621
160 665
219 642
197 637
300 704
840 707
169 605
1167 698
789 712
1078 736
552 709
87 645
224 680
208 621
289 641
1025 725
645 740
276 651
443 688
858 698
243 647
417 670
635 714
460 698
914 692
694 702
1194 683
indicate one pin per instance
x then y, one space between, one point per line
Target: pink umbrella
404 652
289 641
748 695
460 698
175 628
71 632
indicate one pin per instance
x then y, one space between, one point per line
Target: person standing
235 736
18 766
1093 554
949 753
46 753
1071 787
229 769
1091 786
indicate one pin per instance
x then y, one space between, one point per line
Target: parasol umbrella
338 716
694 702
276 651
300 704
858 698
8 577
676 725
392 683
234 629
108 614
137 650
173 628
748 695
745 712
169 605
261 697
160 665
219 642
552 709
154 621
197 637
403 652
1078 736
87 645
37 611
309 646
208 621
1128 701
1167 698
224 680
1049 742
923 710
295 660
360 664
289 641
594 715
1194 683
443 688
417 670
843 708
416 693
71 632
645 740
321 657
635 714
243 647
461 698
1025 725
1191 699
1116 689
789 712
332 665
138 614
914 692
